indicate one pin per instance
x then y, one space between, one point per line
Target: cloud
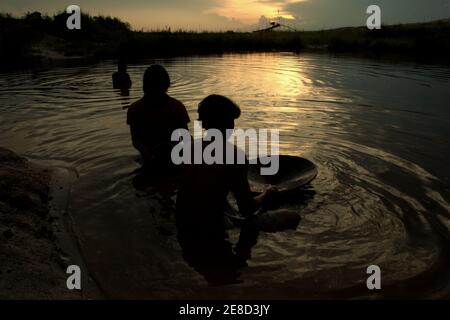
249 11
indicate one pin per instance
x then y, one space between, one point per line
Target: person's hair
216 111
156 79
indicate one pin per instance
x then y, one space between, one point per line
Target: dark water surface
378 132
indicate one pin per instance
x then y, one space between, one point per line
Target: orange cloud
249 11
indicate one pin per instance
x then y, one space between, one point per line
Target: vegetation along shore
35 38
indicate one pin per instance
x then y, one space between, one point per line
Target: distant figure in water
152 120
121 79
202 202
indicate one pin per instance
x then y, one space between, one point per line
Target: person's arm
135 138
266 196
242 192
247 206
247 202
136 135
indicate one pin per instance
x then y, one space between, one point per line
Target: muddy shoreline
37 240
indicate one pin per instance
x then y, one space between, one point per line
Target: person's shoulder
136 105
176 103
179 108
126 75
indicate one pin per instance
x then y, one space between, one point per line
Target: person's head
156 80
218 112
122 66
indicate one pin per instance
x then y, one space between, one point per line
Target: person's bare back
153 118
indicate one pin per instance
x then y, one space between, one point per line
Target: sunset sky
242 14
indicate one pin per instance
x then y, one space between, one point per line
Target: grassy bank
34 38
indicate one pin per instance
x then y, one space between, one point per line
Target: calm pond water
378 132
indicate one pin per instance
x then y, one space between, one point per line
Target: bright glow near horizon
242 14
249 11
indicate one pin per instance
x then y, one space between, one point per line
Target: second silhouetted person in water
153 118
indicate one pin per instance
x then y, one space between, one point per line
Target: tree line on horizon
29 39
18 35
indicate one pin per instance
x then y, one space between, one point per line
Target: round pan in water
294 172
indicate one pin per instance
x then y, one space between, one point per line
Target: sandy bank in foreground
31 260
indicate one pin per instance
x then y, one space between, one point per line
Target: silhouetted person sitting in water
153 118
202 201
121 79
